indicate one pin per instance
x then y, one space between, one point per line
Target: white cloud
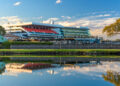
95 23
58 1
17 3
40 17
66 17
104 15
95 71
50 19
98 32
37 17
9 19
99 16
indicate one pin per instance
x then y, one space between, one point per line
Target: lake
83 74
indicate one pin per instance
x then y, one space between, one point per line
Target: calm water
104 74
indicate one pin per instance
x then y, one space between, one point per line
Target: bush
7 44
30 43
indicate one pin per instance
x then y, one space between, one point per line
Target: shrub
7 44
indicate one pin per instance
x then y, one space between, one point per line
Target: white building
35 30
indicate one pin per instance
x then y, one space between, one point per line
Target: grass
16 51
85 56
59 50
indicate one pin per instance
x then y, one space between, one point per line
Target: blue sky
49 8
94 14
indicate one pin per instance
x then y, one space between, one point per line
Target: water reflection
57 75
113 77
2 67
16 68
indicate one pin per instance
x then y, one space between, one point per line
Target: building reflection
80 66
112 77
2 71
2 67
28 68
53 69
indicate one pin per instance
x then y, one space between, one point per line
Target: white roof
78 28
32 23
42 24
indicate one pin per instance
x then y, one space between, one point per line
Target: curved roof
86 28
32 23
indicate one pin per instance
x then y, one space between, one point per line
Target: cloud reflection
93 70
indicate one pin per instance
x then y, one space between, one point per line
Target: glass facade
75 32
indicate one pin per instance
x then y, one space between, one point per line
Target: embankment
60 52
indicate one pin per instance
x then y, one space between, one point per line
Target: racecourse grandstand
39 31
35 31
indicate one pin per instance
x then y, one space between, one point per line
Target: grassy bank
59 52
86 56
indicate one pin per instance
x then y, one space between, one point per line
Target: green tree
112 29
2 31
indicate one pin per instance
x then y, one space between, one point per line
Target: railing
68 46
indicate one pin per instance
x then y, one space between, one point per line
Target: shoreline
60 55
60 60
60 52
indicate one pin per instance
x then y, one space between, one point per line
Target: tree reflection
2 71
113 77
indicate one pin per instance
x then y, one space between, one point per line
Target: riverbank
60 55
59 52
66 46
51 45
60 60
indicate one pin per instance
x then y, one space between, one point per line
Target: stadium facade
73 32
35 31
41 31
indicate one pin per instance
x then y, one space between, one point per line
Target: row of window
37 27
76 33
74 30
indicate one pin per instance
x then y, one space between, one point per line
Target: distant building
73 32
41 31
35 30
11 37
81 35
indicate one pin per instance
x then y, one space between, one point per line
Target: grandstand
35 31
39 31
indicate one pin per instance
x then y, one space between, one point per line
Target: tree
2 31
112 29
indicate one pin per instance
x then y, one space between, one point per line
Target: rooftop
43 24
33 23
77 28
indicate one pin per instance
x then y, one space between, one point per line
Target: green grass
85 56
59 50
17 51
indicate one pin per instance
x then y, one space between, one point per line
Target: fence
68 46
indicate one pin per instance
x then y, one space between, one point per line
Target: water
84 74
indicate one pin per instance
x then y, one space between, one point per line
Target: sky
94 14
